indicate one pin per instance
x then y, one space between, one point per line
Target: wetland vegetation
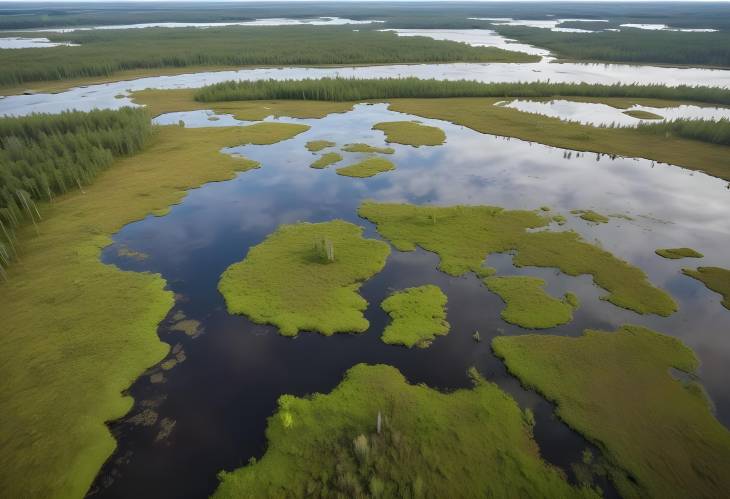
368 167
411 133
715 278
677 253
418 316
327 159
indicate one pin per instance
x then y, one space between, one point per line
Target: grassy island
411 133
418 314
367 148
591 216
78 332
463 236
657 433
715 278
326 159
318 145
375 435
305 277
528 305
368 167
677 253
643 115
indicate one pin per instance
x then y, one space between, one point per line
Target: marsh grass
368 167
411 133
715 278
643 115
327 159
677 253
417 314
367 148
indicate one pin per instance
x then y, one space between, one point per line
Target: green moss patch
305 277
318 145
366 168
591 216
366 148
657 433
715 278
419 315
411 133
375 435
463 236
528 305
643 115
677 253
326 159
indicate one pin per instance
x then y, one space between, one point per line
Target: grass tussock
463 236
658 434
290 281
375 435
529 305
418 316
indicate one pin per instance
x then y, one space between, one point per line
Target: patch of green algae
715 278
528 305
468 443
657 433
286 281
463 236
368 167
418 316
367 148
326 159
411 133
76 332
318 145
591 216
677 253
643 115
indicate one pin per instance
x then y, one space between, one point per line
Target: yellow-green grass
482 115
463 236
418 316
468 443
367 148
643 115
715 278
677 253
76 332
169 101
289 280
591 216
528 304
368 167
657 433
411 133
326 159
318 145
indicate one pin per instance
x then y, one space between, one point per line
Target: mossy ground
463 236
677 253
368 167
287 281
482 115
367 148
591 216
76 332
658 433
468 443
643 115
528 305
411 133
318 145
418 316
715 278
327 159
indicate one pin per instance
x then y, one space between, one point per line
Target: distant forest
104 52
45 155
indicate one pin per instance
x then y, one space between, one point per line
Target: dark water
233 373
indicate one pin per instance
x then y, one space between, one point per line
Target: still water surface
220 396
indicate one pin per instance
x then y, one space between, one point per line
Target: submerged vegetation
411 133
368 167
657 433
677 253
305 277
463 236
106 52
78 332
326 159
356 89
386 438
418 316
715 278
529 305
591 216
